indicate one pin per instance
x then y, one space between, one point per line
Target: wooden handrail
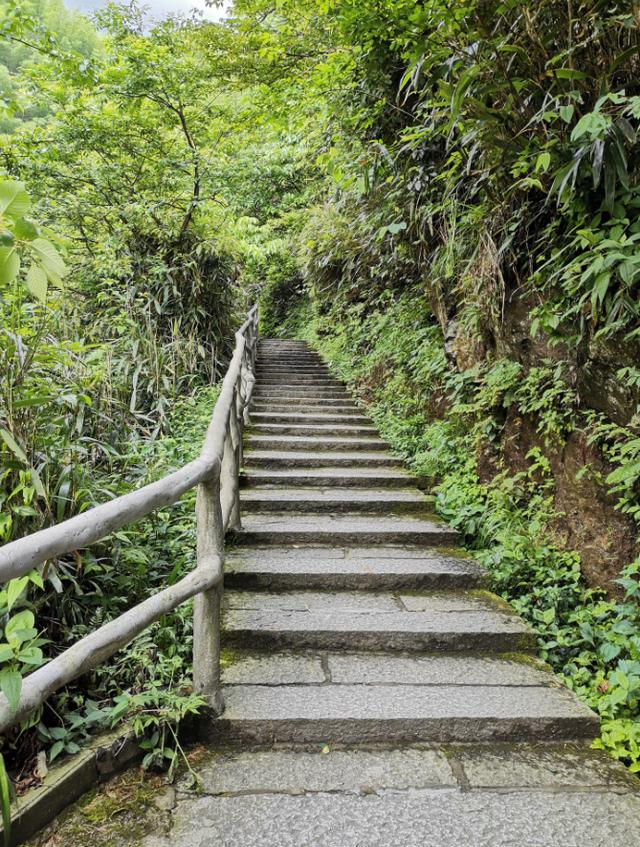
216 473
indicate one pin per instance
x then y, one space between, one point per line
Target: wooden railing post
207 605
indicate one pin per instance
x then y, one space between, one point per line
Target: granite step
335 476
311 444
350 568
302 429
301 392
283 370
297 458
264 500
373 621
345 714
475 795
306 406
308 418
344 529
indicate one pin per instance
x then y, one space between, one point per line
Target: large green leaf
11 685
25 230
13 445
37 282
49 258
14 200
9 265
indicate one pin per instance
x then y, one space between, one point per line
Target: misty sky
158 8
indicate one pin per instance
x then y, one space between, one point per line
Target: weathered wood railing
216 473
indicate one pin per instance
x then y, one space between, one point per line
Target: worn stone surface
330 528
320 442
429 818
538 767
336 770
300 458
275 669
369 500
367 669
337 477
348 568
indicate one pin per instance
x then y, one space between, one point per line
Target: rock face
589 522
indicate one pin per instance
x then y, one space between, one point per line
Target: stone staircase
352 615
376 695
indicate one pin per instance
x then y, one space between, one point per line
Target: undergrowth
148 683
439 419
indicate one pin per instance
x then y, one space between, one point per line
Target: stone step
265 369
316 459
260 428
293 381
355 500
309 444
283 361
349 568
380 621
292 405
309 667
302 392
307 418
344 529
321 477
289 381
347 714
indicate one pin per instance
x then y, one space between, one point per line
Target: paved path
377 695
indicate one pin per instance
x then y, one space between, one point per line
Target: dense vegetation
444 199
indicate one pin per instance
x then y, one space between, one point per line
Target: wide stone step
280 529
316 459
302 429
349 568
301 392
309 444
298 380
338 476
295 405
346 714
308 418
380 621
280 370
313 667
354 500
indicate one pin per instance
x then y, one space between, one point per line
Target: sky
159 8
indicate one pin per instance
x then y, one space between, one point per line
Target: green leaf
566 113
25 230
5 802
542 162
14 200
24 620
9 265
49 258
56 749
6 652
569 73
15 589
13 445
11 685
37 283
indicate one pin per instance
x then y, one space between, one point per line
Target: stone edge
65 783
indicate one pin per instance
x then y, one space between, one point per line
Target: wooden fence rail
216 473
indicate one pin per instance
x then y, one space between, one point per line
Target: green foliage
395 360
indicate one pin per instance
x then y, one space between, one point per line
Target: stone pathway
377 695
